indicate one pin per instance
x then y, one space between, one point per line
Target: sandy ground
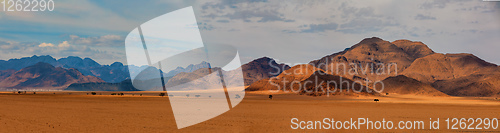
78 112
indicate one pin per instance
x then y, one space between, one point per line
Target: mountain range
420 70
113 73
45 76
106 77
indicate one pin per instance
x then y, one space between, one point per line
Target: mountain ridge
45 76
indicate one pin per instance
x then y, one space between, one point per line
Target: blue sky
290 31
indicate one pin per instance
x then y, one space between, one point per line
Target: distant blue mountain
113 73
190 68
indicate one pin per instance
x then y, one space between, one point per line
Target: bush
113 93
162 94
187 95
171 95
197 96
93 93
376 100
121 94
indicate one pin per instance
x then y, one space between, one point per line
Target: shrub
197 96
121 94
171 95
113 93
237 96
376 100
93 93
162 94
187 95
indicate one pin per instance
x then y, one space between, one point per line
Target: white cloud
46 45
63 44
103 55
106 40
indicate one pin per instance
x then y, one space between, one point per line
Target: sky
290 31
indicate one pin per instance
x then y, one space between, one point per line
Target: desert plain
79 112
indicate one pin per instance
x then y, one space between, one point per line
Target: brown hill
309 80
262 68
364 57
438 66
320 83
453 74
477 85
414 49
296 73
185 77
255 70
45 76
6 73
404 85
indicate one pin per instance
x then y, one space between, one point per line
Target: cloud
106 40
424 17
223 21
439 3
46 45
205 26
264 15
14 49
365 25
223 4
320 27
252 25
253 11
247 15
63 44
